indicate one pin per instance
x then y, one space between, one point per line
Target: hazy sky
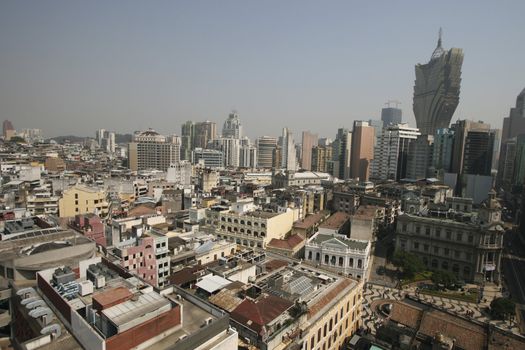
71 67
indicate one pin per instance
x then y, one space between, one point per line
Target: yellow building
82 200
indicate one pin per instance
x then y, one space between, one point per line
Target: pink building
92 227
140 259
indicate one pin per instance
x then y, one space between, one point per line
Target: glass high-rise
436 89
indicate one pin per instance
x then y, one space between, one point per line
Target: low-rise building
339 253
254 229
292 246
337 223
83 200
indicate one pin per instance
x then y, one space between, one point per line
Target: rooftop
311 220
335 221
288 243
350 243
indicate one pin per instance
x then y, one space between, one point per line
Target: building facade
436 89
362 150
150 150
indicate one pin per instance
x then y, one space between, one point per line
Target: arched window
341 261
351 263
317 256
326 259
359 263
310 255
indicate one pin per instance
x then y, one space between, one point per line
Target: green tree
409 263
445 278
501 308
17 139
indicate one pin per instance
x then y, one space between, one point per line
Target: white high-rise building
288 157
391 152
232 127
230 148
106 140
248 157
265 148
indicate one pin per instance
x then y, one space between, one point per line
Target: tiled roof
289 243
331 295
256 315
335 221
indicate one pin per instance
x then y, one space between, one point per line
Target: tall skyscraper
391 116
288 155
442 151
514 124
106 140
204 132
362 150
265 147
473 148
391 152
230 148
150 150
436 89
248 156
232 127
8 130
341 151
308 142
186 140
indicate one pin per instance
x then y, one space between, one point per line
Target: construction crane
390 102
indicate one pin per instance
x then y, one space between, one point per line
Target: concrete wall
85 334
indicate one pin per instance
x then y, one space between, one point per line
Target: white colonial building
339 253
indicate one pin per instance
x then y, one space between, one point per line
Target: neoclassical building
456 239
339 253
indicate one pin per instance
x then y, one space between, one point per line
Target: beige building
362 150
150 150
82 200
321 158
254 229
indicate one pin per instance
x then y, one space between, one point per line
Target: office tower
150 150
265 146
204 132
230 148
436 89
277 154
341 153
186 140
8 130
391 115
321 158
419 162
378 128
248 156
106 140
362 150
309 140
496 148
232 127
391 152
473 148
325 141
208 158
442 151
514 124
288 155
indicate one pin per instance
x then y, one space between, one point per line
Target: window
438 232
446 251
434 263
457 254
359 263
404 228
351 262
470 238
418 229
427 231
425 247
436 250
317 256
416 245
310 255
326 259
340 261
459 237
449 234
444 265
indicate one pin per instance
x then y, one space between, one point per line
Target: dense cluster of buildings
212 241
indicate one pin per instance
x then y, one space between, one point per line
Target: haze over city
70 68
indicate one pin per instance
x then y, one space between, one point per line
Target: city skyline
159 67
